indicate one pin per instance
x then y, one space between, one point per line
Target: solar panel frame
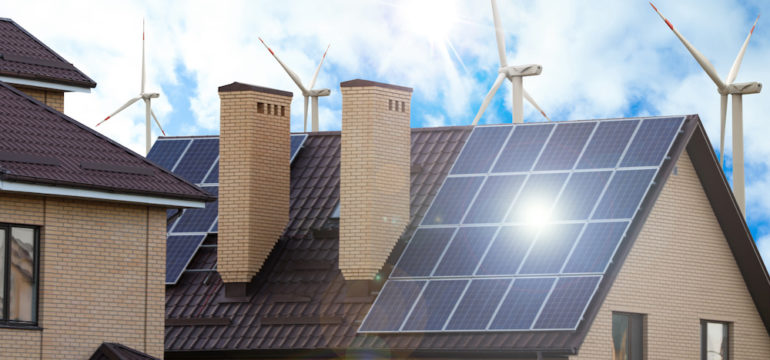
157 156
296 145
561 274
173 270
198 159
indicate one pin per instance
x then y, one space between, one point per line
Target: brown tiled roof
40 145
24 56
115 351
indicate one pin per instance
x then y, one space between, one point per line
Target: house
82 221
599 239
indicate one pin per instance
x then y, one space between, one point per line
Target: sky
601 59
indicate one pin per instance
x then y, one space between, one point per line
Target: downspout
176 215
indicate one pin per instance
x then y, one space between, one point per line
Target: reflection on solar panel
524 227
197 160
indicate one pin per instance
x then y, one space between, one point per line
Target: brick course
52 98
374 177
102 272
679 271
254 180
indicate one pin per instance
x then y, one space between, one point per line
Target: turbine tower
737 90
514 74
306 92
147 97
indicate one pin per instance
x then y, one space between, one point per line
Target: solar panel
213 176
199 220
530 217
179 251
165 153
296 143
198 159
392 305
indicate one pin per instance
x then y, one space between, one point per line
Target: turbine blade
499 34
157 122
127 104
312 83
488 98
292 75
306 99
722 122
532 101
143 73
738 59
702 60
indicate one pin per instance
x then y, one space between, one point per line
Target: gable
680 270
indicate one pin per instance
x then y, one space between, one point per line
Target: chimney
375 174
254 151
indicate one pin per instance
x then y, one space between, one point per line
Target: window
18 274
627 336
714 340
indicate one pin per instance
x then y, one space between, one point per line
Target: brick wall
254 180
374 178
102 277
52 98
679 271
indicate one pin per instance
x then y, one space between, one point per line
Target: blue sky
601 59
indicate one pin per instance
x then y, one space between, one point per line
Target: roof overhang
43 84
51 190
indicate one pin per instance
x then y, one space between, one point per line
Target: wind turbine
147 97
514 74
737 90
306 92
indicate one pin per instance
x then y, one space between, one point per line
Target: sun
432 19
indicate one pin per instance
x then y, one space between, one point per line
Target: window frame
726 338
5 322
633 328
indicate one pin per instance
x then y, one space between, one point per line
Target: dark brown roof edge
115 351
90 83
202 195
362 353
239 86
731 221
362 82
692 122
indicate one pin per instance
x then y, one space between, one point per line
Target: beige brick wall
52 98
254 180
679 271
374 183
102 277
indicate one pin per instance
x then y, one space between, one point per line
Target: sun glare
537 215
432 19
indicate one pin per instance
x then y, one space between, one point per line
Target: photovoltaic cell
651 142
565 145
596 247
522 303
435 304
567 302
607 144
199 220
478 304
423 252
452 200
481 149
392 305
551 248
495 198
537 196
522 149
165 153
198 159
179 251
580 195
296 143
623 194
213 176
507 250
463 254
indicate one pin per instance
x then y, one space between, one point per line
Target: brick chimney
375 178
254 151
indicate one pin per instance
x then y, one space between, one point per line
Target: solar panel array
197 161
524 227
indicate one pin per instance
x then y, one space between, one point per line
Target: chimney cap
362 83
239 86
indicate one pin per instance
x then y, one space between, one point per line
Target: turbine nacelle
521 70
317 92
150 95
742 88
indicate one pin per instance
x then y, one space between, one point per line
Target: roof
115 351
302 304
41 146
24 56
